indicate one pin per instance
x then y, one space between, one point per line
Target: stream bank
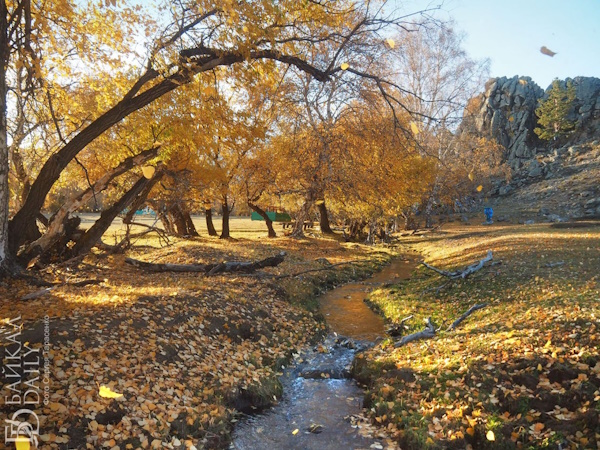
321 405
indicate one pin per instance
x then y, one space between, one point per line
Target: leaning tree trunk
225 229
324 219
56 225
142 198
93 235
209 222
265 216
22 227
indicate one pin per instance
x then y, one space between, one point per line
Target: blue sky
511 32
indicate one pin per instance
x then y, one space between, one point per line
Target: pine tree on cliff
553 111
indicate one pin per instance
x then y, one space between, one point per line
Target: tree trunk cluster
175 218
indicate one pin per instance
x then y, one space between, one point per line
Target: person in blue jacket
489 213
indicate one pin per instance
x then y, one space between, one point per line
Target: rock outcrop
586 109
506 113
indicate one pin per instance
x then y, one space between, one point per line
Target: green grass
541 323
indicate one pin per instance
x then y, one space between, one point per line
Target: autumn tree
202 36
434 66
553 112
381 173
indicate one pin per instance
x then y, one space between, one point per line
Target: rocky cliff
506 112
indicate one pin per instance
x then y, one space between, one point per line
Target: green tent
274 216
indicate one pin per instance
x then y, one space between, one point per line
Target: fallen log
210 269
462 273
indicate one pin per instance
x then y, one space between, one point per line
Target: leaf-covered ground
185 350
524 372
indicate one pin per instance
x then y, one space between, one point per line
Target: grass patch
524 368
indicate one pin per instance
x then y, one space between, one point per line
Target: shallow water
345 310
317 391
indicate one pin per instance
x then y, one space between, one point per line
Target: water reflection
345 310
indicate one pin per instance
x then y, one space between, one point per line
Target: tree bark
355 230
178 219
189 224
89 239
7 264
324 219
160 209
298 230
209 222
225 230
265 216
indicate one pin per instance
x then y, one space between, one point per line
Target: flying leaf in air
344 66
490 436
390 43
414 128
471 176
546 51
479 188
295 431
148 171
107 393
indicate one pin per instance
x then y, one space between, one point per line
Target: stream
321 404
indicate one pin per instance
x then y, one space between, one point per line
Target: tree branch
470 311
462 273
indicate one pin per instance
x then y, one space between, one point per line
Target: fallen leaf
107 393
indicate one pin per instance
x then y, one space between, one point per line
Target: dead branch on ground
430 329
462 273
470 311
